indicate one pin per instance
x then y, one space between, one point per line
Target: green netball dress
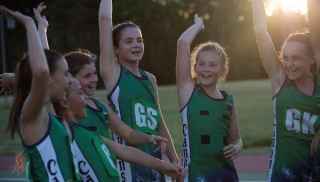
96 119
134 99
205 122
93 158
296 119
51 159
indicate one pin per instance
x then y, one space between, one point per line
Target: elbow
103 17
183 44
42 74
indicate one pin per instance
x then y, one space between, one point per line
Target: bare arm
109 68
32 123
164 131
314 26
234 141
131 136
134 155
42 25
265 45
183 62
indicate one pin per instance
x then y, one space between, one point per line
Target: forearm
107 62
43 36
171 152
35 51
128 134
134 155
189 35
137 138
314 17
259 16
106 47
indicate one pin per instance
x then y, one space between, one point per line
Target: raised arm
134 155
265 45
183 61
109 68
314 26
42 24
133 137
33 105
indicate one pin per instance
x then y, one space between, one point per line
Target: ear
116 52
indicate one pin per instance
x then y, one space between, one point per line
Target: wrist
150 139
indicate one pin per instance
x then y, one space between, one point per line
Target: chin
293 77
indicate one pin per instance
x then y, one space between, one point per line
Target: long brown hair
305 39
78 59
23 86
117 30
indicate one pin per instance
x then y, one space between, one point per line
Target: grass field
253 102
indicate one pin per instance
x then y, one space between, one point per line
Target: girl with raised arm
210 126
82 66
296 91
132 91
43 136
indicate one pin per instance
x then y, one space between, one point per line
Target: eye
128 41
140 40
212 64
200 63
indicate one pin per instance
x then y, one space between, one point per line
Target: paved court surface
251 168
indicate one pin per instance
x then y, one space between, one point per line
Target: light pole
3 43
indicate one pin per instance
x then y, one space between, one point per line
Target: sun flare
298 6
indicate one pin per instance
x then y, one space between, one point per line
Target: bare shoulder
152 77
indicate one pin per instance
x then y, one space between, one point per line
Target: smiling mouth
136 53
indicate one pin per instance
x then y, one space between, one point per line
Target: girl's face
208 68
88 79
131 46
59 82
76 98
295 61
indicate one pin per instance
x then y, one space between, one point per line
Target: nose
94 78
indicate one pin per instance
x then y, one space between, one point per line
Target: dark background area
74 24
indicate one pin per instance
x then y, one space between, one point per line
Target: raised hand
24 19
42 20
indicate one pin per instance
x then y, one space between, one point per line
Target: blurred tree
74 24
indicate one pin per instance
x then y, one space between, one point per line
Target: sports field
253 101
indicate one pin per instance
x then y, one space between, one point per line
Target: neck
90 102
306 85
132 66
69 116
211 90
